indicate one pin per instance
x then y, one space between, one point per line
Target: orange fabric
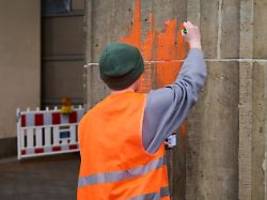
165 198
110 139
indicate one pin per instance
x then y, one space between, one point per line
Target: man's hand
193 35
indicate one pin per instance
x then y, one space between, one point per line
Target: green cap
120 65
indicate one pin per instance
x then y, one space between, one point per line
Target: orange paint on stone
147 51
181 44
147 47
134 37
167 46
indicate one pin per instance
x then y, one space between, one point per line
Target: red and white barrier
47 132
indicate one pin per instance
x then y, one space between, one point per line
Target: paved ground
46 178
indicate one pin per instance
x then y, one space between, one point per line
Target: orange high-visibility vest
114 163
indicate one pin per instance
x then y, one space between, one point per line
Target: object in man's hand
171 141
66 107
185 31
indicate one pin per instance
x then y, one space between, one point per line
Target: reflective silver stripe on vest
121 175
153 196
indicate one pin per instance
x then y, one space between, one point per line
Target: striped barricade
47 132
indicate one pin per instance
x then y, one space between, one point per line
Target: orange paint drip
166 45
182 134
134 38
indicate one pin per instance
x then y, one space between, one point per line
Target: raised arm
167 107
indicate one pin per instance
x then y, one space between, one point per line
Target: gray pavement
49 178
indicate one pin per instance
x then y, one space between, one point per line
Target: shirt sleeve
167 107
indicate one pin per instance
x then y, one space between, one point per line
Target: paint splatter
166 45
170 47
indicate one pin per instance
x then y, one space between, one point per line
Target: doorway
63 51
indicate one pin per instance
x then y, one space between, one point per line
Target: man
122 137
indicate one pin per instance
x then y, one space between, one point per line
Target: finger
190 25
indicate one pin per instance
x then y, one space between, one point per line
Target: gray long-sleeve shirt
166 108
